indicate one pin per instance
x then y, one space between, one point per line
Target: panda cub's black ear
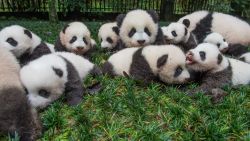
28 33
186 22
58 72
162 60
64 28
119 19
116 30
154 15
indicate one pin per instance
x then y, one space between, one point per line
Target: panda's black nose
80 48
141 42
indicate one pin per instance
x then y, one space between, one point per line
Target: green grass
124 110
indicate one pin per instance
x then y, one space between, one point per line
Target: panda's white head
205 57
218 40
76 37
18 39
138 28
44 80
174 70
167 62
109 35
175 33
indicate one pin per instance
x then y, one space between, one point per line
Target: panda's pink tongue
189 60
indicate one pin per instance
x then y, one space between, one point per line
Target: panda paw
217 95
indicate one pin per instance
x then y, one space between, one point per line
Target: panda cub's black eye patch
202 55
178 71
109 40
132 32
146 30
11 41
44 93
85 41
174 33
73 39
224 40
218 44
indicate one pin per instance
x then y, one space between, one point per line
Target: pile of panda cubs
193 48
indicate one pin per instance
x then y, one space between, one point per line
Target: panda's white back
194 18
233 29
241 72
122 60
82 65
51 47
9 70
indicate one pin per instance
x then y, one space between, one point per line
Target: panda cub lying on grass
177 33
24 44
150 63
75 37
48 77
16 113
139 28
216 70
109 36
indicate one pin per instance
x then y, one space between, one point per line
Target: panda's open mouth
189 59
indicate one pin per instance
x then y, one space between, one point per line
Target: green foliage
75 5
124 110
242 6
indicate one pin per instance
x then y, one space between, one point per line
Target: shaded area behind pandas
125 110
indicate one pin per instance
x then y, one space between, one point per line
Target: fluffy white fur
82 65
179 29
233 29
24 42
80 31
138 19
9 72
240 70
39 74
245 57
218 40
106 31
122 60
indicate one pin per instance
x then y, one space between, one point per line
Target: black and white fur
109 36
201 23
217 70
75 37
177 33
24 44
48 77
150 63
245 57
139 28
16 114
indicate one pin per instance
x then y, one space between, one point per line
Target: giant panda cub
24 44
75 37
235 50
109 36
150 63
46 81
139 28
177 33
217 70
201 23
16 113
